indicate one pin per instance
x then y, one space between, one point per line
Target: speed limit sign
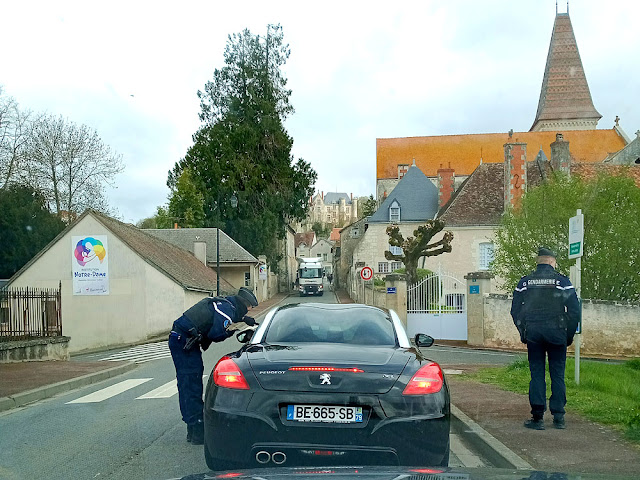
366 273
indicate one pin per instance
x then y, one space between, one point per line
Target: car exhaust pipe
279 458
263 457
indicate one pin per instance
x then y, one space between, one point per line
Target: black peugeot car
327 384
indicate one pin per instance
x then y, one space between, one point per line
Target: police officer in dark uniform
545 310
199 326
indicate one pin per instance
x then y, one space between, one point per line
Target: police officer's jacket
545 307
210 317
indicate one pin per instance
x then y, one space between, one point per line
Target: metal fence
30 313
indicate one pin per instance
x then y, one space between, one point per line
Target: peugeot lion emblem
326 379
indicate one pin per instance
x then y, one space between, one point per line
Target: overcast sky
358 71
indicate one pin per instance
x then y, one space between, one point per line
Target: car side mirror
245 336
423 340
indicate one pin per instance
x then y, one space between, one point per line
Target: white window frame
485 255
395 250
396 266
394 216
383 267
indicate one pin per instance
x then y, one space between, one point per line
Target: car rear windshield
358 326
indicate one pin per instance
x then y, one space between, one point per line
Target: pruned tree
418 246
70 164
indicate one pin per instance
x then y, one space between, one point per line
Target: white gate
437 306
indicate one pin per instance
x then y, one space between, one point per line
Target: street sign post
366 273
576 248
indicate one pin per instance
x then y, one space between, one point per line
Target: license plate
324 413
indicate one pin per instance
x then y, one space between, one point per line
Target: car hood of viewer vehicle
395 473
291 368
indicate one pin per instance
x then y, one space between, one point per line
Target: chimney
200 251
175 226
352 197
322 195
515 173
446 180
560 155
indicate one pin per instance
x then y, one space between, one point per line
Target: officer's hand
205 343
249 320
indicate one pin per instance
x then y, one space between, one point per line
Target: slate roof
417 196
174 262
463 152
307 238
629 155
334 197
565 92
230 250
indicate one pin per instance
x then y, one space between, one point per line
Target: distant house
334 208
323 250
303 244
413 202
120 285
237 266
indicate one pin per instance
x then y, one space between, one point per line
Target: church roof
416 195
463 152
565 92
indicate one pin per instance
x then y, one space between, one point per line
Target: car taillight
428 379
227 374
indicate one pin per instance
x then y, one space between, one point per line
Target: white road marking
475 352
450 371
167 390
111 391
141 353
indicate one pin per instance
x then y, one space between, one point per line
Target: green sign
574 248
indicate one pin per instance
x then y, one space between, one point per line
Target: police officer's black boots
189 433
535 423
197 433
558 422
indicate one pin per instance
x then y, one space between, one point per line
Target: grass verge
608 393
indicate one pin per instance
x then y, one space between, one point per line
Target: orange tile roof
335 234
463 151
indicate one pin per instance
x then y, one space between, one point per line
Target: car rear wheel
217 464
445 459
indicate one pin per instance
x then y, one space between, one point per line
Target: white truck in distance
310 277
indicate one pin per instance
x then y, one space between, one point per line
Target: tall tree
14 134
243 150
70 164
418 246
368 207
26 226
611 260
186 202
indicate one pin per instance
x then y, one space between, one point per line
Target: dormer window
394 212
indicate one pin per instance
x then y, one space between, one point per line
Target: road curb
486 444
48 391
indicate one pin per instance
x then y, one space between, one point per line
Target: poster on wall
90 265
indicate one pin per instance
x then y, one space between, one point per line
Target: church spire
565 100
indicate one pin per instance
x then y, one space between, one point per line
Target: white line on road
167 390
110 391
475 352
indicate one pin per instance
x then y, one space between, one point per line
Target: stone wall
39 349
609 328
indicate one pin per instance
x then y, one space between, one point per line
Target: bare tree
14 134
70 164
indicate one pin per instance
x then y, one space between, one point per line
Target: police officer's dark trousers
189 370
537 351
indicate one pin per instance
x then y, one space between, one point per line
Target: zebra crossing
166 390
141 353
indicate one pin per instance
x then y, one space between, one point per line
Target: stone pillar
560 155
478 283
397 301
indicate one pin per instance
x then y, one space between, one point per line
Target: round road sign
366 273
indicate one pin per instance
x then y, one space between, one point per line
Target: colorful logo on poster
87 249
